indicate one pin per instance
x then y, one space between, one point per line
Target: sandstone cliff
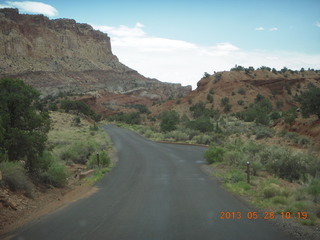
62 55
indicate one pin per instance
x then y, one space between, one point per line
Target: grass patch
97 175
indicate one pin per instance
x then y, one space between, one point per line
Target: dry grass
66 133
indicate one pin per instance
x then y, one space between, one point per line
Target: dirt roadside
45 202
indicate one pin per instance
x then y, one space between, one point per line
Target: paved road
157 191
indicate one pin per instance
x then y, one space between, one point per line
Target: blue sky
177 41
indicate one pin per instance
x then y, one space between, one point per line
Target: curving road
157 191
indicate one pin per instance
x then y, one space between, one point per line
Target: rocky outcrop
65 56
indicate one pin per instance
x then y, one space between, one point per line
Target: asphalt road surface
157 191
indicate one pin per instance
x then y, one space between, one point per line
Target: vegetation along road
156 191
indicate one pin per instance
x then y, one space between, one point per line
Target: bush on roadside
201 124
214 154
169 121
202 139
80 151
282 200
52 171
15 177
179 135
271 190
314 189
237 176
285 164
104 160
57 174
234 157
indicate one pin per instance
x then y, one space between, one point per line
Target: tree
205 75
258 98
198 109
224 101
210 98
202 124
290 115
24 127
310 102
169 121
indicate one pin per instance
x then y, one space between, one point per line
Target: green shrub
57 174
263 132
104 160
45 160
227 108
201 124
275 115
310 101
252 148
311 221
14 176
284 164
148 133
234 157
202 139
292 136
300 206
224 101
94 127
271 190
210 98
314 189
241 91
240 102
214 154
237 176
303 140
80 107
80 151
280 200
256 166
169 121
244 185
290 115
180 136
141 108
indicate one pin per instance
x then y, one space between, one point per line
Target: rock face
64 56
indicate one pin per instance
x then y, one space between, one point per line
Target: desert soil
45 201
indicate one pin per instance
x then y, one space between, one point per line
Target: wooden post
98 160
248 172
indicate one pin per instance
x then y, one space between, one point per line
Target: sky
177 41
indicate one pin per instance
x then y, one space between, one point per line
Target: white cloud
273 29
123 31
171 60
317 24
139 25
32 7
259 29
135 37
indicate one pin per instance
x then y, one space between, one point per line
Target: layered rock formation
64 56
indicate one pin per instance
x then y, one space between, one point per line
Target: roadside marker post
248 172
98 160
